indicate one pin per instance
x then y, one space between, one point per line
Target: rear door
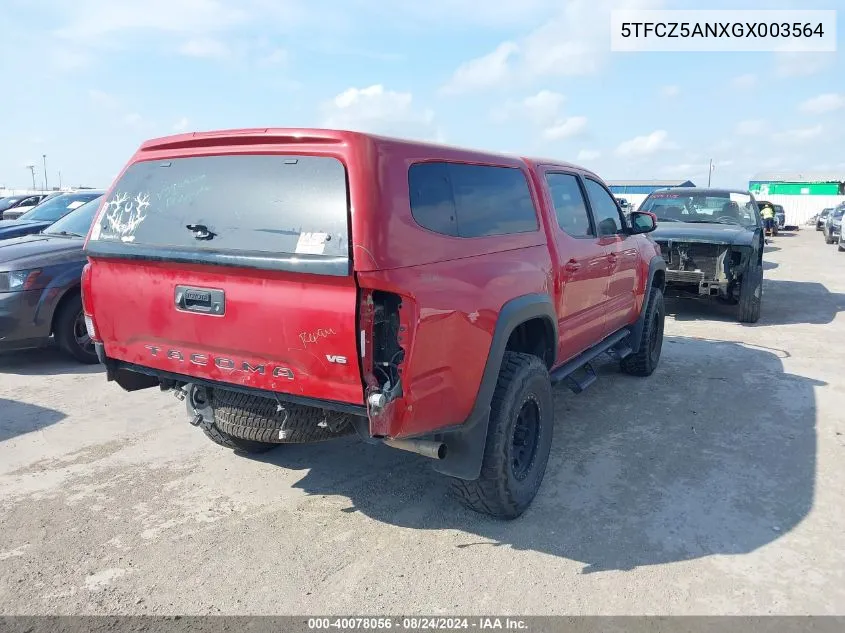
232 268
582 266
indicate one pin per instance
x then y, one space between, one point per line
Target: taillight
87 303
366 311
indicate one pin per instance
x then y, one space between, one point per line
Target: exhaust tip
427 448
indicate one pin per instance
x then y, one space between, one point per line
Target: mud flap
465 449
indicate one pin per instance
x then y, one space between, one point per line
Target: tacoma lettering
203 360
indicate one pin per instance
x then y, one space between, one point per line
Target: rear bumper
133 377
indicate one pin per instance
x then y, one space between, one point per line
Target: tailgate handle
201 300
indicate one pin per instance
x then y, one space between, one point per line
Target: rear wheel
71 333
751 295
519 438
828 238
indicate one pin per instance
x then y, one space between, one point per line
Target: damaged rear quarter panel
454 319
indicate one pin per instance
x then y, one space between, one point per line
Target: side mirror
643 222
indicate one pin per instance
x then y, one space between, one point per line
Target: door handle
571 266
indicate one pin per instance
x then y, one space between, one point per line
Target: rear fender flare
655 264
465 443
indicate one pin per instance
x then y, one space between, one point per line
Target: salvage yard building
802 194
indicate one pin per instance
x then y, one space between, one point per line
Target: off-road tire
643 361
212 431
238 444
751 295
64 326
255 418
523 382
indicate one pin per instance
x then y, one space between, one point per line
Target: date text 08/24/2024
417 623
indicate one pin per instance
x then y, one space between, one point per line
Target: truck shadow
714 454
17 418
43 361
784 303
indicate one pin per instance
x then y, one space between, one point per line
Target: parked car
434 319
780 216
40 287
821 217
712 241
833 225
43 215
12 207
624 204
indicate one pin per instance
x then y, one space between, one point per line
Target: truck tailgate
278 331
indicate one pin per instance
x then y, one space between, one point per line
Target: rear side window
471 200
266 206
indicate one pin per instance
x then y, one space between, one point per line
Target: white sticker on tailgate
311 243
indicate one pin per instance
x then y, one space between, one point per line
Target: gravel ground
714 487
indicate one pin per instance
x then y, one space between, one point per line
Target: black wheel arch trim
657 263
466 441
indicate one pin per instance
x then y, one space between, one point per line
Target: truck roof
326 136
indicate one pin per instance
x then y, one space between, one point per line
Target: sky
86 81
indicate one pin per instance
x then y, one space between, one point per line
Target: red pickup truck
295 285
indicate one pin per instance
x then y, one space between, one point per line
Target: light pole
31 168
709 172
44 156
60 180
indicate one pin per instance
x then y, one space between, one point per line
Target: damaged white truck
712 241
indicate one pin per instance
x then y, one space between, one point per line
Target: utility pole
31 168
44 156
60 180
709 172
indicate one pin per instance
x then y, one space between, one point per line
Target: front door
621 251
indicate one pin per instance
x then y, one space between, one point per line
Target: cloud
645 145
566 128
461 12
572 42
482 72
102 99
750 127
802 64
542 108
69 58
745 82
824 103
99 18
377 110
274 57
181 125
800 135
670 91
205 48
588 155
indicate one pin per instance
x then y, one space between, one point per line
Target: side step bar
614 344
